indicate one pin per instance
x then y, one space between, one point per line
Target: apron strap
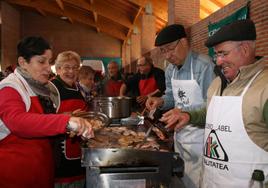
248 85
192 74
173 72
250 82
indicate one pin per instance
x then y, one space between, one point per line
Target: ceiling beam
203 14
60 4
41 11
70 19
159 11
100 27
140 3
135 20
218 3
160 20
103 16
160 24
95 15
102 10
206 9
137 15
160 8
74 15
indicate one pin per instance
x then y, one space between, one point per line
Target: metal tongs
150 116
153 120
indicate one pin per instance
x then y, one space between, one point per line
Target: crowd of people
38 114
31 121
217 111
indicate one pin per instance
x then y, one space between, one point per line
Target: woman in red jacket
27 103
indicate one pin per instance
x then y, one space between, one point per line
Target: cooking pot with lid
113 107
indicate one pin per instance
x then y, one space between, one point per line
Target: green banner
240 14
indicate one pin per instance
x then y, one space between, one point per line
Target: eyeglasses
169 48
223 54
68 68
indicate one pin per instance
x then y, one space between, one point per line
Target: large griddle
113 167
109 165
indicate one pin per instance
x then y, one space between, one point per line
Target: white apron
189 140
230 156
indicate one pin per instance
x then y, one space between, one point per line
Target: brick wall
183 12
258 13
66 36
10 34
61 34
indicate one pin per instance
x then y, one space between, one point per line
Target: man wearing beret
236 118
188 77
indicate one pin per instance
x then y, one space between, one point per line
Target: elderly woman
27 103
69 172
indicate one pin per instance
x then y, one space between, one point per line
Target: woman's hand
175 119
81 127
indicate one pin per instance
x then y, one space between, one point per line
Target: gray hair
67 56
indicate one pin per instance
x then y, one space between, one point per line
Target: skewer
143 111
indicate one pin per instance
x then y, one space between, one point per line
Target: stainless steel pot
113 107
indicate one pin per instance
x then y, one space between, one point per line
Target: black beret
236 31
169 34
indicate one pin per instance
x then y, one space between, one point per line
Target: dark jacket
133 82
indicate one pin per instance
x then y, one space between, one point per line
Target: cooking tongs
150 116
152 119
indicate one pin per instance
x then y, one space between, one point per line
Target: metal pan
94 115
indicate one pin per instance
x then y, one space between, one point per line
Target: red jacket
26 159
